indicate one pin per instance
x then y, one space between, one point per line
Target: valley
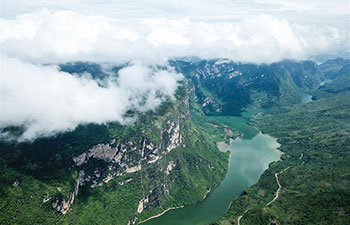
211 112
249 157
169 157
314 188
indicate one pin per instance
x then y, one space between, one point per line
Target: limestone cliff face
62 205
122 156
116 154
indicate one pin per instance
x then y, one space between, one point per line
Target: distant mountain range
115 174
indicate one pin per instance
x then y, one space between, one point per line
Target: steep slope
111 174
337 73
114 174
225 87
332 68
340 83
310 184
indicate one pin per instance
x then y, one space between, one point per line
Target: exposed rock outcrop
62 205
46 198
16 183
142 204
104 162
170 167
118 159
133 169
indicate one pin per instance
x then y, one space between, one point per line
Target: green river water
305 98
250 156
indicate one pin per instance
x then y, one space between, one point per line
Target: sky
38 35
306 11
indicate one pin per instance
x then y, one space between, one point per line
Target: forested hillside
112 173
310 184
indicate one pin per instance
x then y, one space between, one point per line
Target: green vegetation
212 128
315 188
232 88
46 167
313 136
333 68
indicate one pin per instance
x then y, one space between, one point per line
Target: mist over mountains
45 100
115 112
62 36
33 44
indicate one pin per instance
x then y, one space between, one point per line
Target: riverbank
248 157
318 159
223 146
278 145
160 214
225 149
206 194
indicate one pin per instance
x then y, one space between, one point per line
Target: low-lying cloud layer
67 36
47 101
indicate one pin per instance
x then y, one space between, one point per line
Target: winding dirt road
279 186
274 199
240 217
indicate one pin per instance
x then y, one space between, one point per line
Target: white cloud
51 37
320 7
47 101
296 10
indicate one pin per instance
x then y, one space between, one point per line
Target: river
250 156
305 98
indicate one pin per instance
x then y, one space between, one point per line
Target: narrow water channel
305 98
250 156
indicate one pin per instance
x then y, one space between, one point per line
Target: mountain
310 184
225 87
333 68
125 173
314 174
337 81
